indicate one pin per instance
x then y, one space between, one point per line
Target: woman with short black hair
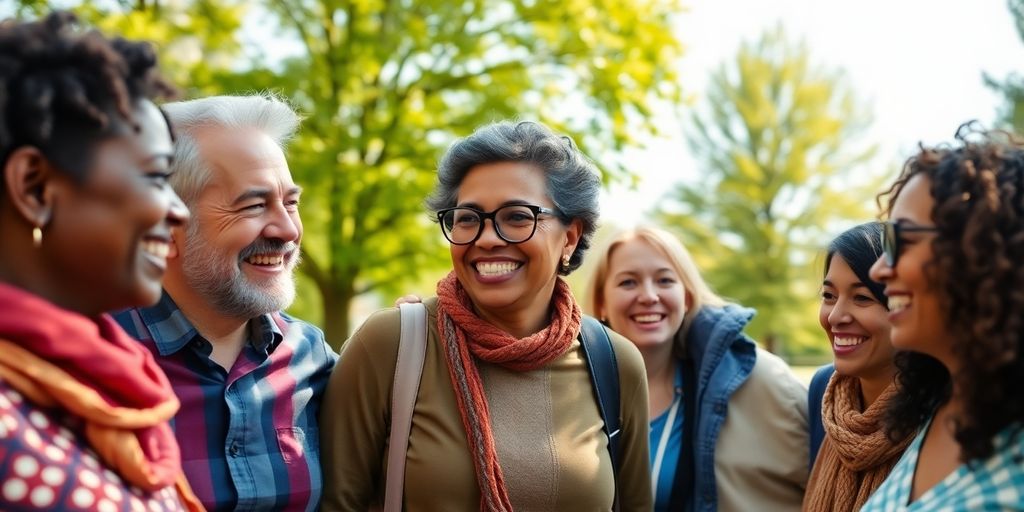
85 215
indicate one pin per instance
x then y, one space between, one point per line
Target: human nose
880 271
177 212
839 314
285 225
648 294
489 235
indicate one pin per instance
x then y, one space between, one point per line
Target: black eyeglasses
514 223
891 238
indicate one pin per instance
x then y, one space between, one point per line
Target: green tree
387 84
776 142
1012 87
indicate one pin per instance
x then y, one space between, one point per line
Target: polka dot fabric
44 465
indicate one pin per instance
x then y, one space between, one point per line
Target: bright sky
916 63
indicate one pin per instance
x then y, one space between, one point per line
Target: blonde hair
698 293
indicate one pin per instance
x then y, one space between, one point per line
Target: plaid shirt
249 438
996 483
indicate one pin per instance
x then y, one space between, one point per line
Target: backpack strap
604 374
408 370
815 395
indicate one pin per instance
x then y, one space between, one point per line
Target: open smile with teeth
648 318
157 248
497 268
898 303
266 260
849 341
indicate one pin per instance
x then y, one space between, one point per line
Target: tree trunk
771 342
337 304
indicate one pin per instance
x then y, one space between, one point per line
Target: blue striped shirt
249 437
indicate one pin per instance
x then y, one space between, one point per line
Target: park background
755 130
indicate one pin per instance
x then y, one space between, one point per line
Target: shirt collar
265 334
171 331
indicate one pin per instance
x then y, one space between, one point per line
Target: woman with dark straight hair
856 455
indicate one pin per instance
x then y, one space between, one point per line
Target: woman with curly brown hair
951 268
86 215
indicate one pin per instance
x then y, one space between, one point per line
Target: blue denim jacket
723 357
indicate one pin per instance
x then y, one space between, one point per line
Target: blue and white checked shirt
249 437
994 484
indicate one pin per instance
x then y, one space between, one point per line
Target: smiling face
915 310
644 296
856 324
511 283
110 235
242 248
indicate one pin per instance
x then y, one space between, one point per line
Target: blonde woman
729 420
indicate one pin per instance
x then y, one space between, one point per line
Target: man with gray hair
250 378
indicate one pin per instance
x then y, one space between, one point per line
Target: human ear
573 233
29 183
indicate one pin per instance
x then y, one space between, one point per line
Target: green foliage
1012 87
776 139
386 85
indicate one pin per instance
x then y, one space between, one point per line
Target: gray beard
220 281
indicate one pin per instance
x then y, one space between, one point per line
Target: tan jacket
764 468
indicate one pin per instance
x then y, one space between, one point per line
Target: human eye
466 218
516 215
291 204
828 297
254 207
628 282
666 281
159 177
861 298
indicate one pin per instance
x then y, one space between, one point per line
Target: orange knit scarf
466 337
856 455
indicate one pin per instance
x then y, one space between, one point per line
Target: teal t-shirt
667 446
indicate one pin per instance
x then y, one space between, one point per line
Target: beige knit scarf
856 456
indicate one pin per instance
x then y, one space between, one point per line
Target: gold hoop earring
37 237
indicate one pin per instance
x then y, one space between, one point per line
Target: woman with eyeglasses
953 247
86 216
506 416
856 454
728 424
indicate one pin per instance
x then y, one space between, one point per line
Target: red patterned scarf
92 369
467 337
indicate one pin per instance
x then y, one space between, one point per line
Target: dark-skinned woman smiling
86 217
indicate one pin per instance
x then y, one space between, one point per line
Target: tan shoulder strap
408 369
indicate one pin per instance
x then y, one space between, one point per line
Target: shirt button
233 450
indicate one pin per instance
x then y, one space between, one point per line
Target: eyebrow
510 202
858 284
262 193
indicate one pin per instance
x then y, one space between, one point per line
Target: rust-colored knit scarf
467 337
856 456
